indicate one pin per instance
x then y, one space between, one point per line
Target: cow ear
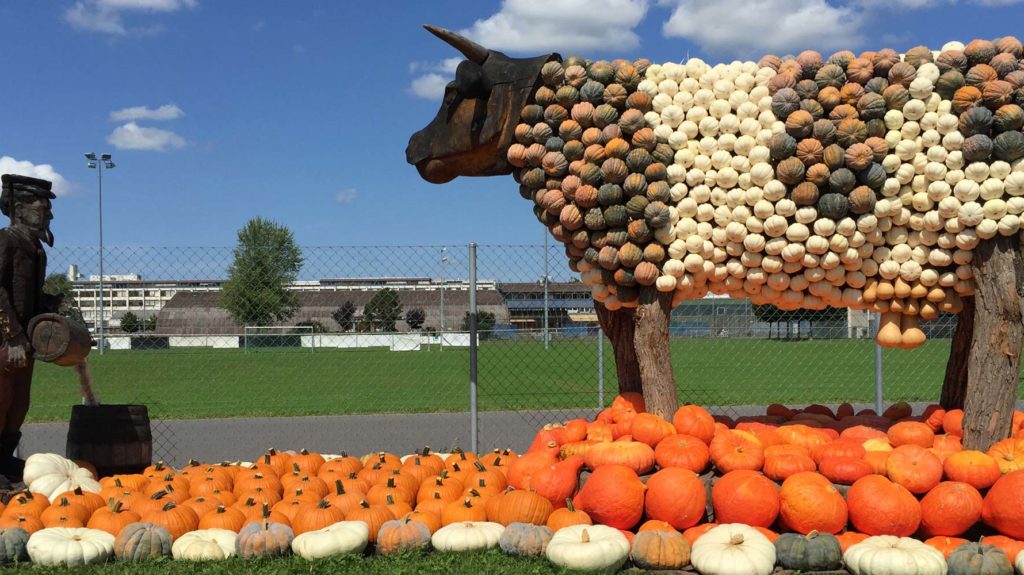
471 80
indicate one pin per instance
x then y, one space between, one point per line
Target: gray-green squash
812 552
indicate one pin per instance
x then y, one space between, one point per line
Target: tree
149 324
345 316
383 310
484 324
266 262
415 317
58 284
317 326
130 323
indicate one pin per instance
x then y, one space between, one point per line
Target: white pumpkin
71 547
51 475
733 549
467 536
588 548
890 555
337 539
205 545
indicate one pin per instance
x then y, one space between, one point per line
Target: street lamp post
104 161
444 260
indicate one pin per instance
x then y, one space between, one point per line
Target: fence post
473 413
600 368
547 337
878 368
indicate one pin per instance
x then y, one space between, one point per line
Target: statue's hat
21 187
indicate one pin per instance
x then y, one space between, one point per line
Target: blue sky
299 111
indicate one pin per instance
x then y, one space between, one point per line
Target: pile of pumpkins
861 181
809 489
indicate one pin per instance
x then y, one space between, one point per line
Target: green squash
616 237
830 75
979 147
951 60
615 96
616 216
664 154
592 92
654 172
918 55
871 106
785 102
1008 118
659 191
639 231
634 186
656 214
978 559
824 131
979 51
806 89
980 74
977 120
635 206
814 108
552 74
142 542
1008 146
1003 64
609 194
896 96
12 545
833 206
842 181
876 85
601 71
812 552
873 177
842 59
884 60
948 83
862 200
525 539
782 146
638 159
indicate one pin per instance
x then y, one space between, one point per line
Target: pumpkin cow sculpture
882 182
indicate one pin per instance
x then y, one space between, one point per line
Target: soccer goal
259 337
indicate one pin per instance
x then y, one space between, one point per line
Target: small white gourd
588 548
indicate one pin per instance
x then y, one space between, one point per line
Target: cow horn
471 50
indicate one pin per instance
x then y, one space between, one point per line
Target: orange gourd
223 518
745 496
557 482
848 538
373 515
637 456
613 495
177 520
914 467
809 502
521 506
695 421
911 433
980 470
681 450
1009 454
879 506
844 470
1003 506
526 465
945 545
315 517
674 495
782 466
951 508
650 429
464 510
732 450
566 516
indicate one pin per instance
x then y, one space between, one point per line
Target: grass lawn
197 383
491 562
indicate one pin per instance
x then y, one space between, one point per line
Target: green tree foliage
149 324
383 310
130 323
317 326
58 284
415 317
484 323
345 316
266 262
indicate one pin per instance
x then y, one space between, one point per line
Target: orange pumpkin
734 450
1012 547
63 508
745 496
933 416
914 467
945 545
30 523
676 496
613 495
431 520
223 518
656 525
178 520
838 448
1009 454
862 433
848 538
1003 507
911 433
803 435
567 516
315 517
877 460
650 429
373 515
809 502
695 421
694 533
627 403
520 471
953 422
637 456
680 450
844 470
557 482
520 506
975 468
464 510
951 508
780 467
112 518
881 507
787 449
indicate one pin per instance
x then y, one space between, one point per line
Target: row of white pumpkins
733 230
728 549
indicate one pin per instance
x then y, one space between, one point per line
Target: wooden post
993 371
619 327
954 385
653 353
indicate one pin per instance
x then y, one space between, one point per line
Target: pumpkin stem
339 488
324 504
569 505
585 537
467 503
116 507
380 455
497 462
250 502
266 458
221 509
266 510
812 534
479 466
117 483
344 454
193 463
737 539
364 504
391 483
473 492
63 502
426 451
304 451
444 475
390 499
78 490
159 494
295 469
170 505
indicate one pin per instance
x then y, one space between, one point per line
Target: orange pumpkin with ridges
933 417
656 525
809 502
734 450
745 496
694 533
780 467
953 422
911 433
951 508
1003 507
525 465
877 460
975 468
696 421
612 495
685 451
557 482
848 538
844 470
838 448
945 545
862 433
914 467
637 456
650 429
881 507
1009 455
566 516
1012 547
522 506
676 496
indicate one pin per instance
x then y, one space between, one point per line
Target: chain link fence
384 330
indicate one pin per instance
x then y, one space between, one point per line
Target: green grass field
512 375
491 562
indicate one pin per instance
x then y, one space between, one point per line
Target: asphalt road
178 441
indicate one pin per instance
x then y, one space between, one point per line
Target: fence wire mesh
384 330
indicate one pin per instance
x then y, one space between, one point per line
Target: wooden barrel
56 339
114 438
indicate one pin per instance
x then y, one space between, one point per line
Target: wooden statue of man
22 271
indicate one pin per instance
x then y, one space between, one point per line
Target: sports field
180 383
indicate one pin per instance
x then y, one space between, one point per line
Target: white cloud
9 165
106 16
346 196
750 28
165 112
537 26
430 85
132 136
